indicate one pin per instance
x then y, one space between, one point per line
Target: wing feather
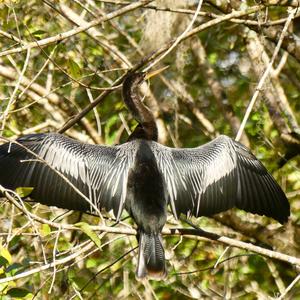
99 172
217 176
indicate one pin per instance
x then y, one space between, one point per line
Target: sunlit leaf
46 230
91 263
3 261
24 191
13 268
38 34
74 69
212 58
5 253
109 133
86 228
17 292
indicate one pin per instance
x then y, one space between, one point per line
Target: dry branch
188 232
266 73
179 89
217 89
62 36
51 103
111 49
156 54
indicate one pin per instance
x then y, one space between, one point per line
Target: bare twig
121 59
107 267
49 265
62 36
265 75
12 37
289 288
294 3
13 96
275 274
190 232
54 259
157 53
179 89
239 244
178 39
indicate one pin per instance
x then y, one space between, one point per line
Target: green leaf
5 253
74 69
46 230
14 268
24 191
110 133
97 51
212 58
91 263
38 34
86 228
17 292
3 261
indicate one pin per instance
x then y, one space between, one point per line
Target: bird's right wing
66 173
217 176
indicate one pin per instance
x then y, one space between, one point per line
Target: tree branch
156 54
62 36
188 232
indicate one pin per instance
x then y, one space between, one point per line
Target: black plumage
142 176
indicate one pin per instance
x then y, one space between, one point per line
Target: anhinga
143 177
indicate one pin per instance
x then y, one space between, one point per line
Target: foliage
205 92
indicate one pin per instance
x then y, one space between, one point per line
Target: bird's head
136 78
147 128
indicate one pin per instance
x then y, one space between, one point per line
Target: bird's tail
151 260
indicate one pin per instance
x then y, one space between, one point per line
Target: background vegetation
57 57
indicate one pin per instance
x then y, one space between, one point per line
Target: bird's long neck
147 128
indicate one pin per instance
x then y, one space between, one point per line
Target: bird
143 177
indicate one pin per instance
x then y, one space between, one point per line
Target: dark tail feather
151 260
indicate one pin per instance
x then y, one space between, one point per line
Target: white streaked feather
92 165
192 170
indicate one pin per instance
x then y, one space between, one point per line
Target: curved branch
62 36
157 53
188 232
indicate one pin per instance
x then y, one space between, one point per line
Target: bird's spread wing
99 173
217 176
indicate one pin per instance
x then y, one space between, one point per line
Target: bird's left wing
70 174
217 176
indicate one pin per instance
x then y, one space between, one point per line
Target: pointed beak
154 73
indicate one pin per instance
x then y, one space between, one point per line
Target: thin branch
11 197
13 96
179 89
62 36
179 38
38 73
112 50
294 3
49 265
107 267
213 266
50 100
72 78
155 54
54 259
288 289
12 37
275 274
232 242
190 232
265 75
